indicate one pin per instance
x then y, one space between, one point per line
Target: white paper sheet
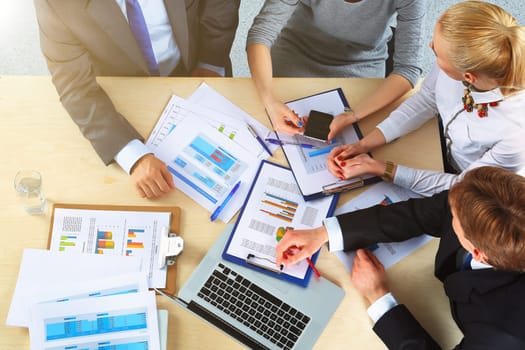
41 268
234 128
128 233
275 201
206 165
388 253
119 320
309 165
210 98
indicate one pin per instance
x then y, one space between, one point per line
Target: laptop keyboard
254 307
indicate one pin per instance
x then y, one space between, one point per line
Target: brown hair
490 205
486 39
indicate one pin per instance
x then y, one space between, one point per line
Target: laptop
260 311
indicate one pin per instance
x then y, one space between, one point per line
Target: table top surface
39 134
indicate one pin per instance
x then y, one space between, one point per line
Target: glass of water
28 185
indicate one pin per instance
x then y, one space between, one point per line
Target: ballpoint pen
258 138
280 143
294 250
221 206
281 231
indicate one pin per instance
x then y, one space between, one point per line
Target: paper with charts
309 165
206 105
206 165
125 321
274 201
128 233
383 193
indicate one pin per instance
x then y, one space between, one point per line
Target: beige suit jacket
82 39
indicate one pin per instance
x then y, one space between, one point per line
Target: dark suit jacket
488 305
82 39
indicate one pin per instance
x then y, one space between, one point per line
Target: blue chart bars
83 325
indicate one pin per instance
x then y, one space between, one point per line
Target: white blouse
496 140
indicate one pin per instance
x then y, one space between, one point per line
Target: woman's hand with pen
302 243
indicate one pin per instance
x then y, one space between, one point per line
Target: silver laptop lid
311 307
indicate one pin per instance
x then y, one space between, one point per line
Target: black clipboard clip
343 185
252 259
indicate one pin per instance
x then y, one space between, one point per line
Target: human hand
283 118
369 276
339 155
203 72
297 245
360 165
151 177
340 122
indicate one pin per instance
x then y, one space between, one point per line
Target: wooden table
39 134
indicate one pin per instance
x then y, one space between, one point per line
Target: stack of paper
66 303
208 147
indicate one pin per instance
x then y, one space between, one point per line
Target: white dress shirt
496 140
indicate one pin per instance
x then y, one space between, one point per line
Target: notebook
257 310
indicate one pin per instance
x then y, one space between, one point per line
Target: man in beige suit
82 39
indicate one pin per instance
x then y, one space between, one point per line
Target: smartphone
318 125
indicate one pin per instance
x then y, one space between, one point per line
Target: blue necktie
141 34
466 262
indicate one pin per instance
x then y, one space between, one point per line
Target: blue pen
218 210
280 143
258 138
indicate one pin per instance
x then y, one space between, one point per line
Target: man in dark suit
83 39
483 217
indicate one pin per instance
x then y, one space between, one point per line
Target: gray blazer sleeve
74 79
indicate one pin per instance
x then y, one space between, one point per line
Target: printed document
233 127
127 321
127 233
383 193
41 270
206 165
274 201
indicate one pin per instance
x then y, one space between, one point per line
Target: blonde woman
477 87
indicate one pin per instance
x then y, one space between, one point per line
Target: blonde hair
486 39
489 203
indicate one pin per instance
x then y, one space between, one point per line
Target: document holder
174 228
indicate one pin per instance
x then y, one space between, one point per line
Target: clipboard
174 227
259 261
309 166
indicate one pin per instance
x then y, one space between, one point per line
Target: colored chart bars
66 242
104 241
84 325
134 240
278 207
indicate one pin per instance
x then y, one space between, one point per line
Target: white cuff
129 154
381 306
216 69
335 235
